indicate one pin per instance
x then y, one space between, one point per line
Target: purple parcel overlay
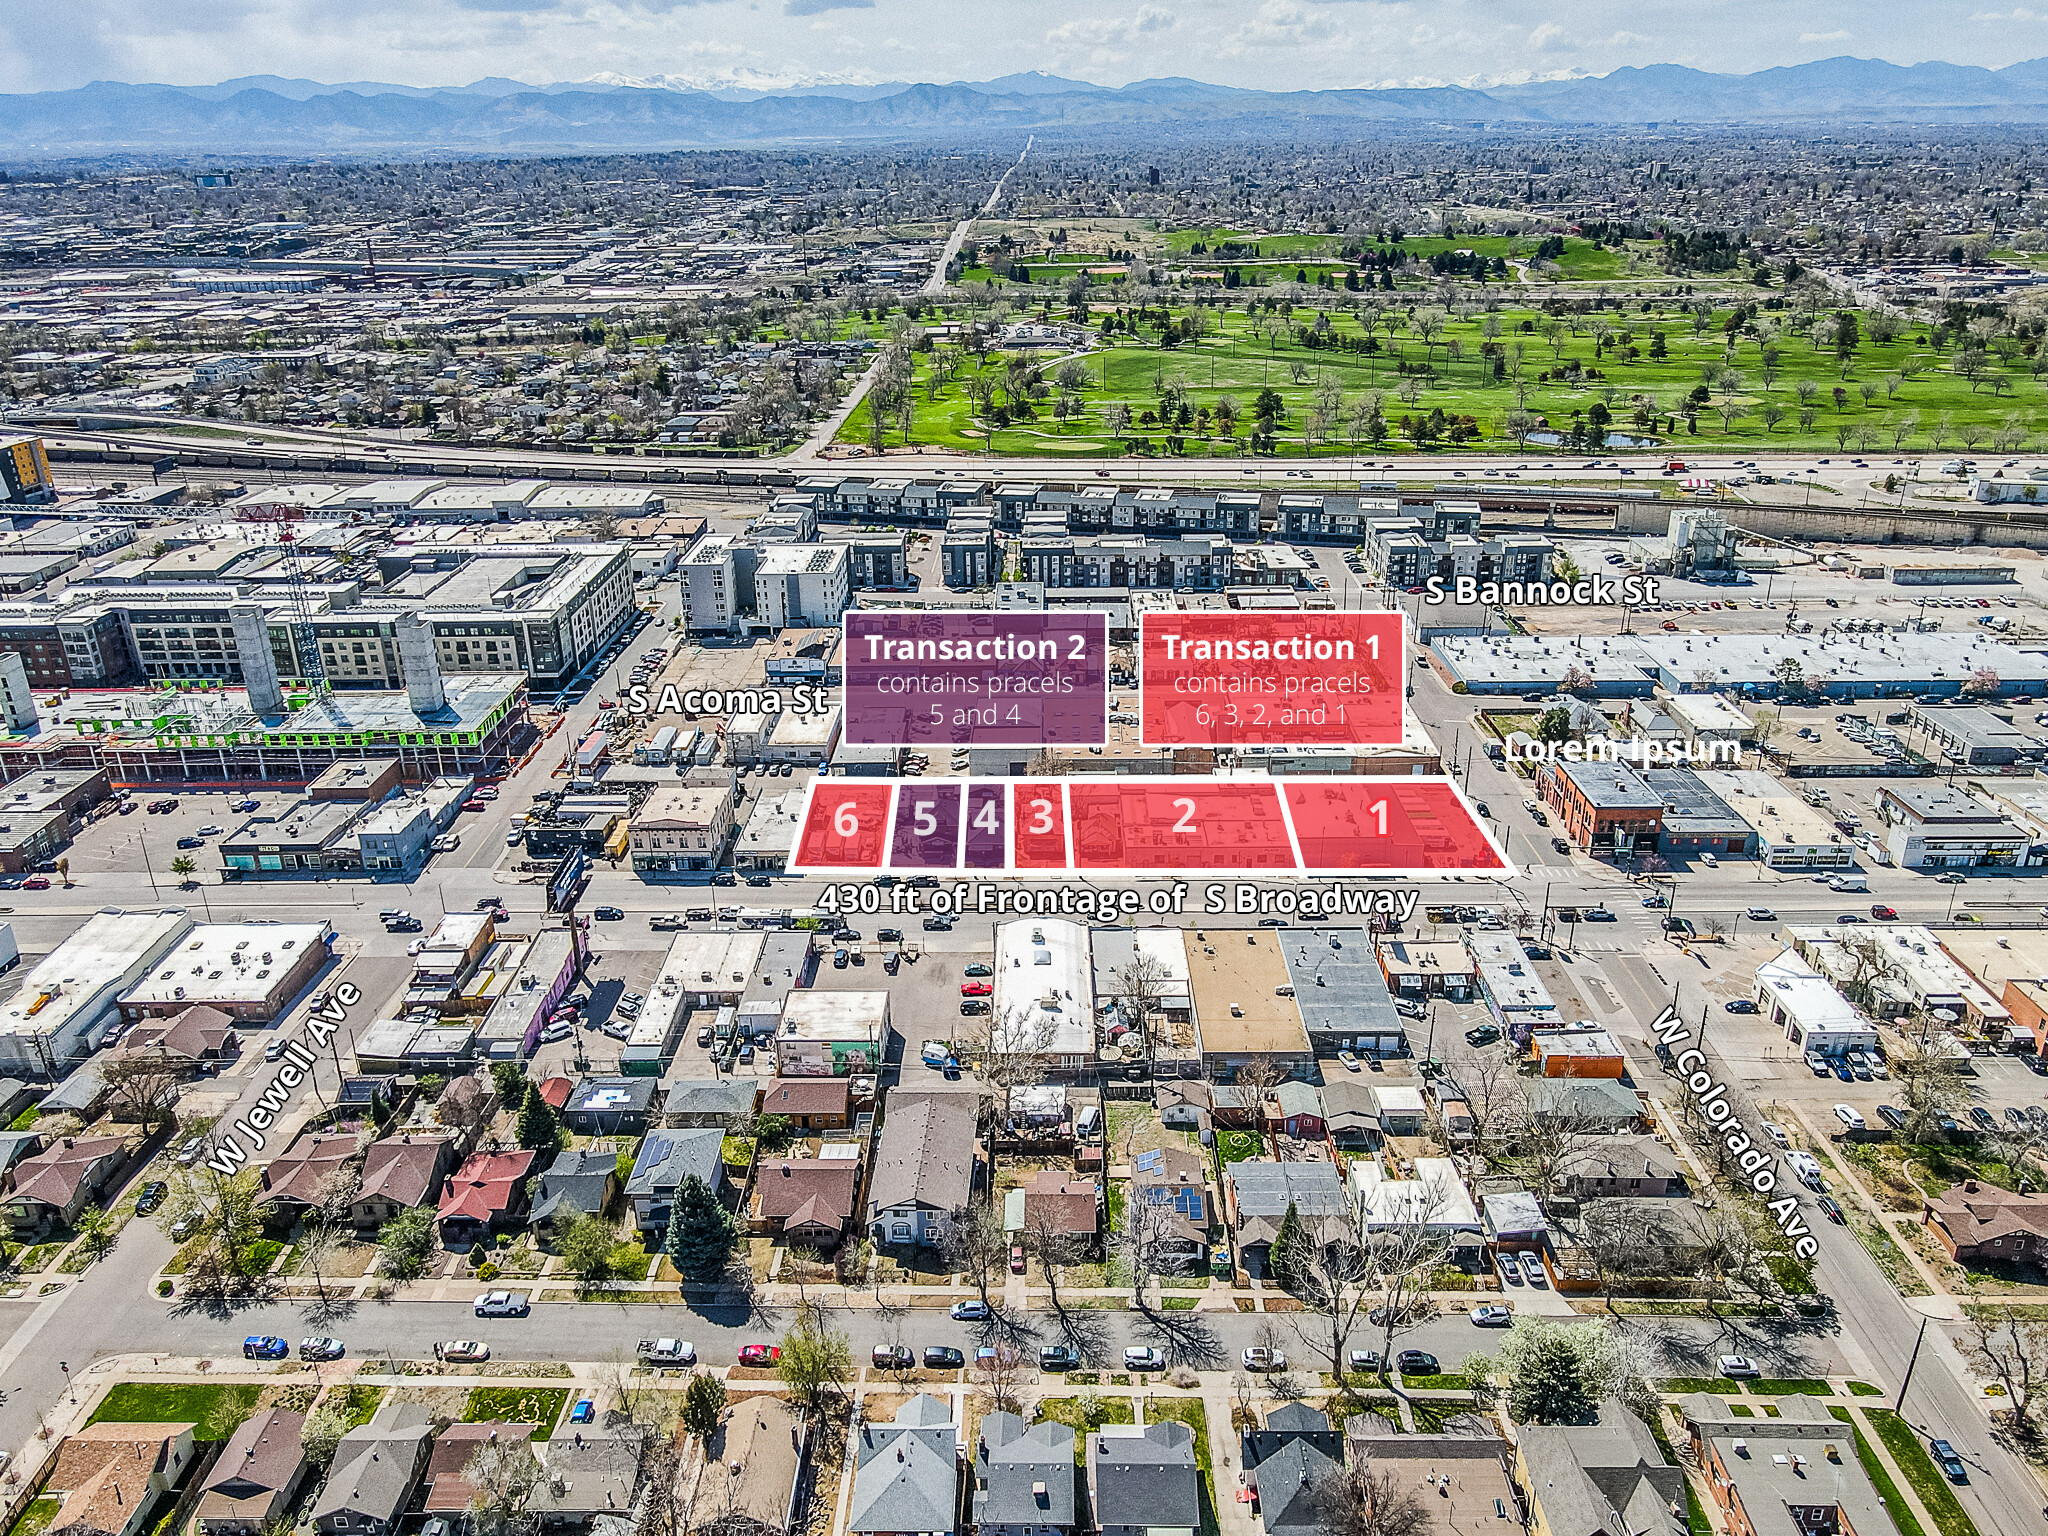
987 826
927 826
976 679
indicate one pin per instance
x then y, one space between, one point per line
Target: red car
36 883
759 1354
975 989
1884 914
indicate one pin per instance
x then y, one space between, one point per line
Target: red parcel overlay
1163 826
1271 679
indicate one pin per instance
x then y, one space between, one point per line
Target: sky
1266 44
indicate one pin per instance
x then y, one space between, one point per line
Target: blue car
264 1346
584 1411
1842 1071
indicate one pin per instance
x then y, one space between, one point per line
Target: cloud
1108 31
1824 37
814 7
1545 35
1286 24
2017 13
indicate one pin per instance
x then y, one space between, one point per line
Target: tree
1554 724
406 1243
1143 1242
1930 1084
323 1430
539 1129
586 1249
183 866
1361 1500
1982 681
1547 1384
1286 1245
1140 985
815 1361
703 1406
1055 1247
700 1236
974 1240
1327 1272
1558 1373
143 1086
503 1472
2010 1351
1763 725
1576 679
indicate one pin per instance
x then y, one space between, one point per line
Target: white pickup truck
667 1352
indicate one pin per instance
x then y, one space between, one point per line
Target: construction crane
305 643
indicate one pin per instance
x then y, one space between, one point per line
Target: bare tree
1140 985
1362 1500
1053 1245
504 1473
1144 1242
143 1086
974 1240
1931 1084
1330 1274
2011 1351
1009 1050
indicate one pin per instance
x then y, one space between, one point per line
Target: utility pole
1899 1407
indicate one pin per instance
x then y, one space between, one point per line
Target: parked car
1533 1271
1016 1258
1494 1316
1137 1358
1738 1368
321 1349
893 1357
1484 1034
1777 1134
264 1346
212 831
1365 1360
584 1412
1832 1211
969 1312
1059 1357
1260 1358
1760 914
1510 1272
759 1354
1951 1464
943 1357
975 989
153 1195
190 842
1850 1117
1416 1362
1739 1005
503 1304
463 1351
979 969
608 914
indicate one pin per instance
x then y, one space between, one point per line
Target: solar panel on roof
1149 1162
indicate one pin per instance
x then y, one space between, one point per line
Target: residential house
1295 1109
1609 1477
16 1096
1058 1201
1144 1482
611 1106
449 1490
810 1103
1286 1465
1593 1104
1173 1178
906 1479
579 1182
1435 1200
590 1472
700 1102
53 1188
1257 1195
111 1476
765 1441
1024 1480
14 1146
1401 1108
1597 1167
400 1173
258 1471
1351 1115
805 1200
1978 1223
926 1165
486 1194
665 1159
308 1173
375 1468
198 1037
1183 1105
1798 1471
467 1106
1649 1236
1465 1478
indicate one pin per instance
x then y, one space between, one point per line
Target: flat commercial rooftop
228 963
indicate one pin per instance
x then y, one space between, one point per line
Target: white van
1848 882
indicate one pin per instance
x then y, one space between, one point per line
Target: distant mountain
268 114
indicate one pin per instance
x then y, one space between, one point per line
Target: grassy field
541 1406
1907 1450
36 1517
1083 1415
159 1402
1645 365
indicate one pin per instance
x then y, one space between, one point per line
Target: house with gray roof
1286 1464
609 1104
590 1473
665 1159
1024 1477
708 1101
926 1163
1597 1104
375 1469
1599 1479
255 1475
906 1480
1259 1193
1144 1482
1631 1164
578 1182
1799 1464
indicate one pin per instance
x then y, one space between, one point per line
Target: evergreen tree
700 1233
1547 1384
538 1128
1284 1243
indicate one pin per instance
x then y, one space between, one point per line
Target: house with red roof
55 1186
487 1192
